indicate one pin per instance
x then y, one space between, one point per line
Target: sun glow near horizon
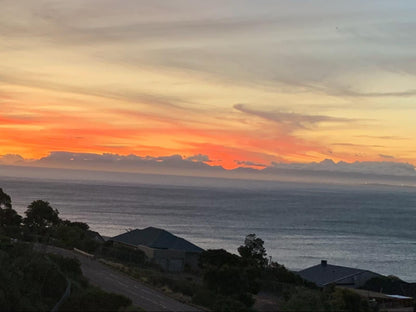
276 82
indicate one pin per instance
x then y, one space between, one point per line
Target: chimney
324 263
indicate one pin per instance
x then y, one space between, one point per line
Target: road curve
113 281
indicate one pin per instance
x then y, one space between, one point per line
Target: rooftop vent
324 263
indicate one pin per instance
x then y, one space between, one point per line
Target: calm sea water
368 227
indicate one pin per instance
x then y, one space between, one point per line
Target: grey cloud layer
306 44
198 163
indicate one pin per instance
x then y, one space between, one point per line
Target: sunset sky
242 82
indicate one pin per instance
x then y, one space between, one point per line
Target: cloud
314 172
382 137
352 93
356 145
199 158
386 156
167 65
181 35
12 159
292 121
115 162
112 92
364 167
249 163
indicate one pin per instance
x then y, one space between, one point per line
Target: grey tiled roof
156 238
323 275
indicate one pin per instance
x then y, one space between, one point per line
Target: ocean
367 226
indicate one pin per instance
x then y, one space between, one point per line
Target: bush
29 281
391 285
228 304
70 266
346 300
73 235
227 274
277 279
304 300
204 297
94 299
123 254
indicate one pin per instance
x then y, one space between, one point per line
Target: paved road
117 282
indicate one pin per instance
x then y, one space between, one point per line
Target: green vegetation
42 224
253 252
229 276
32 281
40 217
332 299
391 285
231 281
123 254
94 299
9 219
67 234
29 281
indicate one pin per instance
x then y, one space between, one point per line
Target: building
325 274
171 252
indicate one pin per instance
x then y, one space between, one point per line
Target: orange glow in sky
245 85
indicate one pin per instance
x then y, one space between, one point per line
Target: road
113 281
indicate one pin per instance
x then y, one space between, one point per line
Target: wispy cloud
291 121
112 92
250 164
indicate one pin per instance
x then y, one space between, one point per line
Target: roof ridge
335 266
156 238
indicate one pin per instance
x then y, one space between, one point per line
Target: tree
217 258
40 216
5 200
229 276
9 218
253 251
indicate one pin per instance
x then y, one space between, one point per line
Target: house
171 252
325 274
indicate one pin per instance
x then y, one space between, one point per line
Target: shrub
204 297
123 254
94 299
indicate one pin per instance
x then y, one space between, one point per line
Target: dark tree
8 216
253 251
40 216
81 225
5 200
217 258
230 276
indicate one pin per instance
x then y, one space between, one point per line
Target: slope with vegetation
34 281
